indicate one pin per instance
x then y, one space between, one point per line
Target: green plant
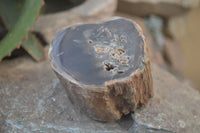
19 21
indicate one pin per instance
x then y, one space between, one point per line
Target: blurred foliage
18 16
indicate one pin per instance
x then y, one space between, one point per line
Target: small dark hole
123 38
109 66
120 72
90 41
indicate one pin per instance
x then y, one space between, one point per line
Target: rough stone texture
165 8
175 105
89 11
104 95
32 100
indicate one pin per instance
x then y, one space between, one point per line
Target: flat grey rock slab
33 100
175 105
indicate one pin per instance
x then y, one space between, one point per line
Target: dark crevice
15 54
18 52
40 38
126 121
120 72
90 41
166 58
109 66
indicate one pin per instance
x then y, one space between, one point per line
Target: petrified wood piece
104 67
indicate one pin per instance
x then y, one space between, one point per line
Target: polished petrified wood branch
104 67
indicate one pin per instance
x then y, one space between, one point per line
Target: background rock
33 100
176 27
173 55
89 11
165 8
186 30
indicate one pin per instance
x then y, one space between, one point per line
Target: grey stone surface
33 100
175 105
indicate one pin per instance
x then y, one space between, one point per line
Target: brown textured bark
134 92
116 97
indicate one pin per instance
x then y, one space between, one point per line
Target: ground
33 100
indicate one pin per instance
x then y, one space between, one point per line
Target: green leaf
33 47
21 28
10 11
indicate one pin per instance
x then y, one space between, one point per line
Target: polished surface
96 53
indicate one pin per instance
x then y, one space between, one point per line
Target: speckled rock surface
33 100
175 105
